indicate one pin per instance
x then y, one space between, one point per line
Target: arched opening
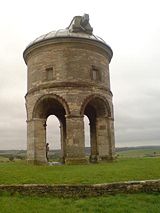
97 110
53 138
90 112
87 137
50 113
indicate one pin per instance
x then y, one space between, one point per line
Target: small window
95 74
49 73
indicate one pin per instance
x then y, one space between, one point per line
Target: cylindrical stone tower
68 76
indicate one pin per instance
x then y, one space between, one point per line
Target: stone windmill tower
68 76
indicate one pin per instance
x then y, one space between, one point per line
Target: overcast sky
130 27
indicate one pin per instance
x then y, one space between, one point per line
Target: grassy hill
135 152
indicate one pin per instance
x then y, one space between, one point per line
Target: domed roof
63 33
78 28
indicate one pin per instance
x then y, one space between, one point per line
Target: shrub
11 158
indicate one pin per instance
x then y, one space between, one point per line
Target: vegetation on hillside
55 155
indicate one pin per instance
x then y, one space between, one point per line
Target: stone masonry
82 190
68 76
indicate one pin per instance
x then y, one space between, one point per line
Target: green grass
132 203
120 170
3 159
123 169
138 153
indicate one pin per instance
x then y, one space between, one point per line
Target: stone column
63 140
93 142
110 122
36 141
75 146
103 140
30 142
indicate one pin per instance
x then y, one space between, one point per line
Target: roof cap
80 24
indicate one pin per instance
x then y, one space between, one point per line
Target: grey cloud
138 119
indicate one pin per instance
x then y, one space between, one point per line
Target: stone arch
38 112
99 102
45 106
98 111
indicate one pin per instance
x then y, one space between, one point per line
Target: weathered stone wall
75 97
79 190
71 62
72 66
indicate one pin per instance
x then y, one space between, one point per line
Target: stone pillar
36 150
75 146
110 124
103 139
30 142
93 142
63 140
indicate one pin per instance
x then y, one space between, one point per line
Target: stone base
75 161
35 162
106 158
93 158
